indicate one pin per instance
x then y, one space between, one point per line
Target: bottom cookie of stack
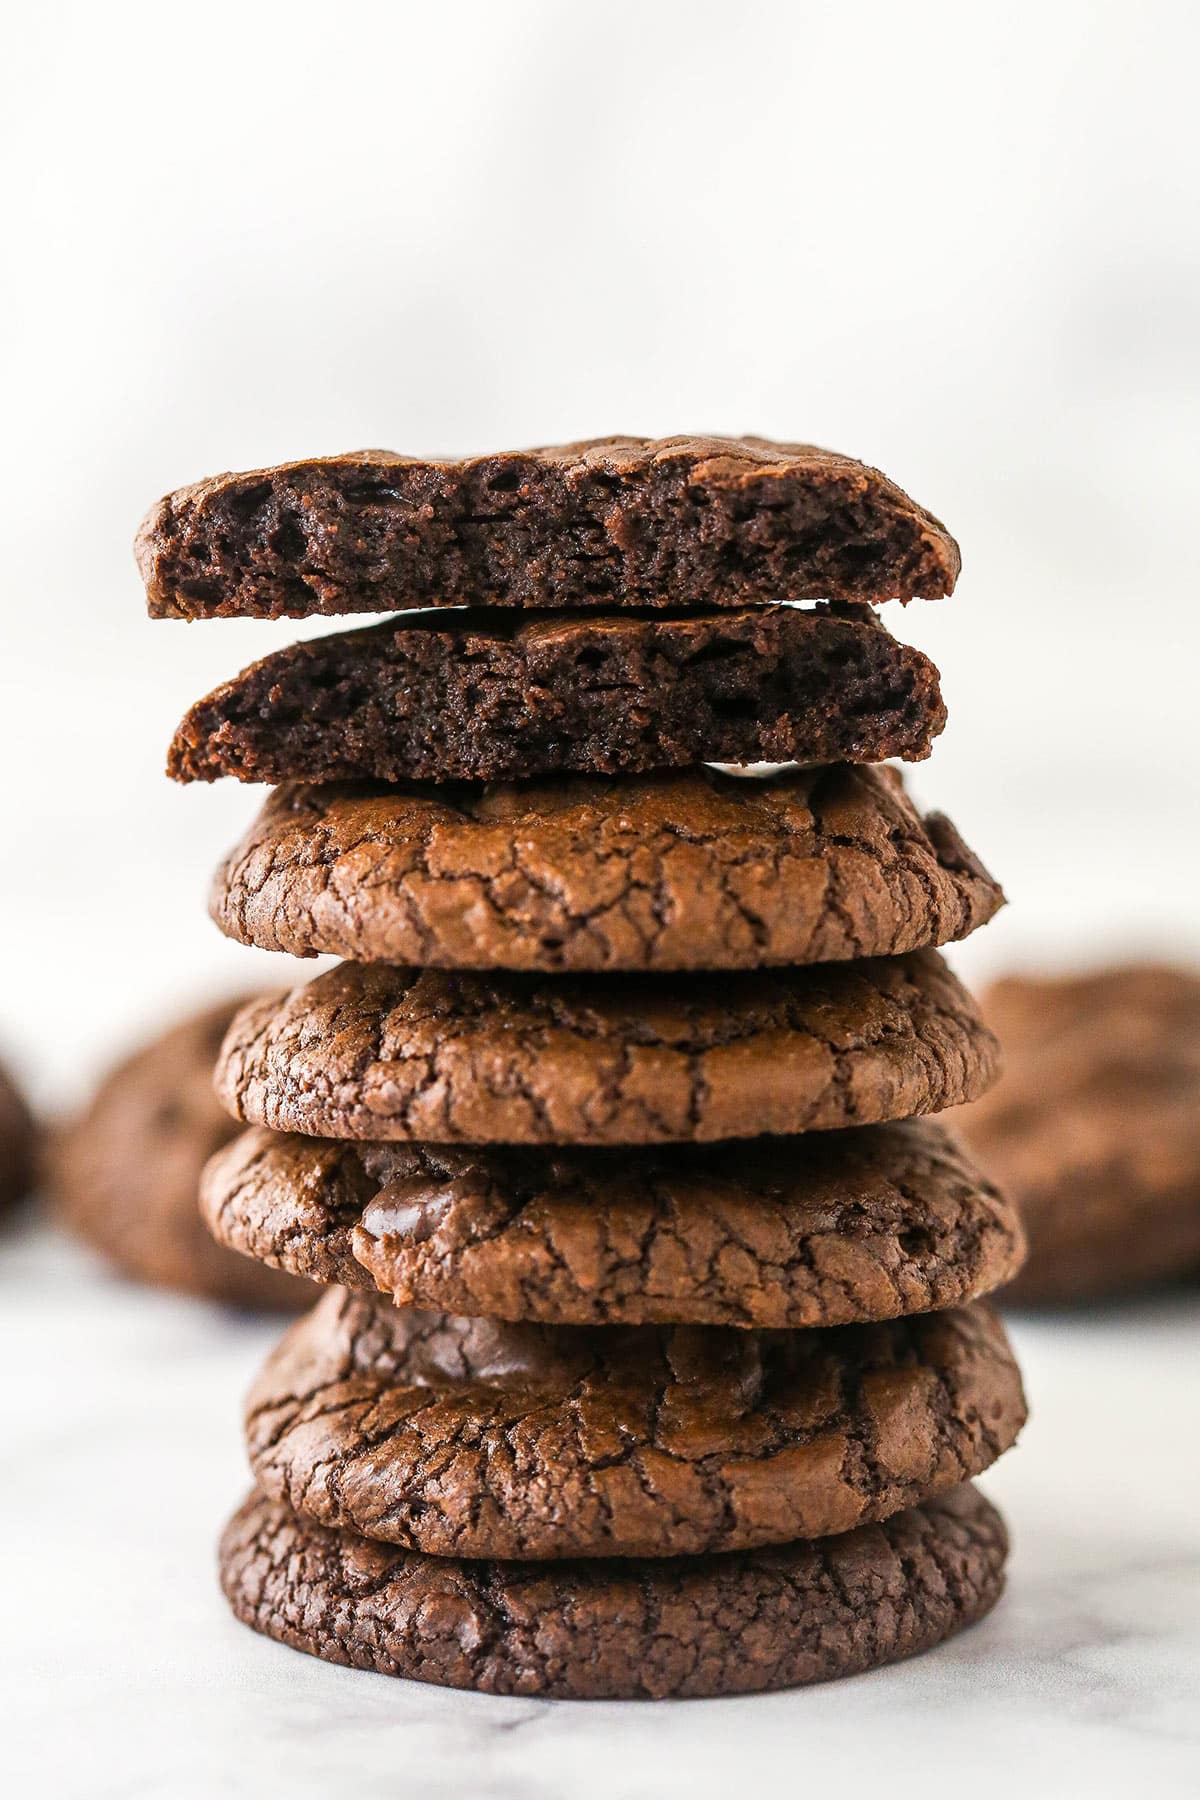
620 1629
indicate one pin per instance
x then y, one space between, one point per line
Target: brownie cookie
1095 1129
295 1202
124 1177
686 1627
17 1142
468 1437
437 697
372 1051
680 521
682 870
827 1229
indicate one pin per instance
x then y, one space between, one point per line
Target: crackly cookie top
680 521
827 1229
470 1437
686 1627
381 1052
693 868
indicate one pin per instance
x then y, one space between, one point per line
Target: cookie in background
18 1142
1094 1128
124 1176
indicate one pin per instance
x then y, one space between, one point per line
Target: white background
958 241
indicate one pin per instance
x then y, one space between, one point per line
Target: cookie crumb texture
682 870
685 1628
124 1176
1094 1130
680 521
18 1138
443 697
370 1051
467 1437
828 1229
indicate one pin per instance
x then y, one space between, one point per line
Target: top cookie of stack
682 521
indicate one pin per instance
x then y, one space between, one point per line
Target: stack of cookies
653 1360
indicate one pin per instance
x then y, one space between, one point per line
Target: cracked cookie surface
441 696
680 870
679 521
18 1138
828 1229
1094 1130
468 1437
686 1627
124 1176
371 1051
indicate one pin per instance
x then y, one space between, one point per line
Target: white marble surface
122 1675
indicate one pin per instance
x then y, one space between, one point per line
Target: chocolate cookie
1095 1129
371 1051
827 1229
681 521
437 697
124 1177
687 1627
466 1437
295 1202
688 870
17 1140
